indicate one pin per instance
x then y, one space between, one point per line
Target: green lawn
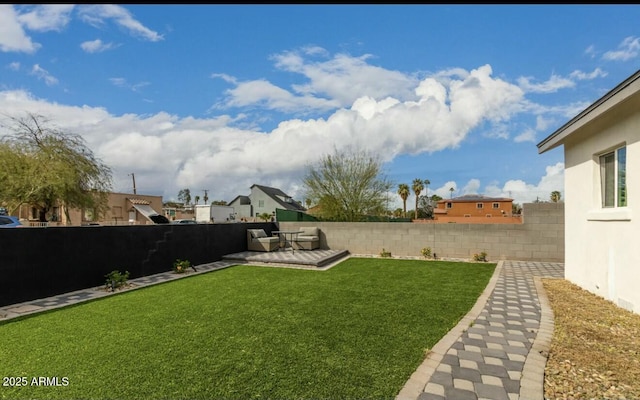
357 331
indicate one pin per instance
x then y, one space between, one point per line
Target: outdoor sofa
309 239
257 240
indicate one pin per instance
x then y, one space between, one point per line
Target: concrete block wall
539 238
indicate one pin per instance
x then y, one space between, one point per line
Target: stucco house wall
601 246
262 202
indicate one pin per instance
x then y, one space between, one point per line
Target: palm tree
403 191
417 187
555 196
451 190
426 187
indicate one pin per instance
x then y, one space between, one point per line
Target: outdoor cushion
306 238
267 239
308 231
258 233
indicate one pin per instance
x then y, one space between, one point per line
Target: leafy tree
184 196
403 191
417 187
219 203
265 216
516 208
435 199
347 185
44 166
555 196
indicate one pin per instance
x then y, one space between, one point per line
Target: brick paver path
495 356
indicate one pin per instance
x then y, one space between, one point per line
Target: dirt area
595 350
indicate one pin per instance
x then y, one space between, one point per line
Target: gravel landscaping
595 350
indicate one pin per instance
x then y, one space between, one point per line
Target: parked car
184 221
159 219
7 221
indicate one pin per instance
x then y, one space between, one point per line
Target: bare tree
347 185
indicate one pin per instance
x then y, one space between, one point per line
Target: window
449 204
260 203
613 178
496 205
479 205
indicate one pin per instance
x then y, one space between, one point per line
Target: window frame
612 173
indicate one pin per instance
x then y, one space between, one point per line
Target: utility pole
134 182
206 196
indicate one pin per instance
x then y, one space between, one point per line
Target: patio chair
309 239
257 240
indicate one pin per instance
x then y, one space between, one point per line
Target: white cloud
12 36
329 83
96 46
445 191
517 189
168 153
271 97
528 135
552 85
55 17
44 75
472 187
523 192
47 17
627 50
226 78
597 73
14 66
543 123
97 14
122 82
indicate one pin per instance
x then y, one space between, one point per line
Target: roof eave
557 138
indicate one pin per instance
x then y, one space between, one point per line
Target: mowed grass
357 331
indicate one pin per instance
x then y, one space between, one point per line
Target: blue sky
220 97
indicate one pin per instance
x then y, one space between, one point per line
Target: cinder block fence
539 238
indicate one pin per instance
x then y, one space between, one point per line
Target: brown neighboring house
124 209
475 208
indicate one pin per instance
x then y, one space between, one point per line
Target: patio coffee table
283 237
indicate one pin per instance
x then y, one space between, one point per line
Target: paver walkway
499 350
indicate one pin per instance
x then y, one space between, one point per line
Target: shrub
116 280
426 252
385 253
181 266
480 257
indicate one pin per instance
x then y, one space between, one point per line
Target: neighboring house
474 208
602 186
263 199
124 208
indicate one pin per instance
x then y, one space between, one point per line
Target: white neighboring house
602 189
263 199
